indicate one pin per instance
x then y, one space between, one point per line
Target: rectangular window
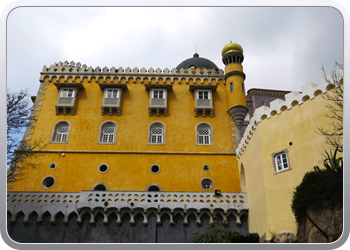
67 92
231 87
203 95
112 93
243 90
281 161
158 94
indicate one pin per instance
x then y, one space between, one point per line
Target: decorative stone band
234 73
171 203
76 70
238 114
292 99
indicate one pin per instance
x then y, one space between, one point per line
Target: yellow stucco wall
129 169
270 194
237 97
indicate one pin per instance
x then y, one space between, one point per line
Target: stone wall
99 230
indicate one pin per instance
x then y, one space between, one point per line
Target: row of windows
49 181
103 168
156 133
112 99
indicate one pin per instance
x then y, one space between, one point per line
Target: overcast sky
284 47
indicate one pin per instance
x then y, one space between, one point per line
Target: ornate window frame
54 138
101 133
204 140
152 136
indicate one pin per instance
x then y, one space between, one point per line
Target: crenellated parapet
77 72
131 203
292 99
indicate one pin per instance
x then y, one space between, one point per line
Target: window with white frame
111 100
204 134
157 133
158 98
61 132
203 94
108 132
111 93
203 102
281 162
66 100
67 92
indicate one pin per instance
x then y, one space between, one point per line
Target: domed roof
231 47
197 62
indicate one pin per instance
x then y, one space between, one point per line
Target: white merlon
73 70
292 99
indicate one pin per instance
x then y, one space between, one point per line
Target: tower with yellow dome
232 57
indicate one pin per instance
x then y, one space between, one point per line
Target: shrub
318 190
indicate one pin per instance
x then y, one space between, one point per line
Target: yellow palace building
154 153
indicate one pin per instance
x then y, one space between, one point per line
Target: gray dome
197 62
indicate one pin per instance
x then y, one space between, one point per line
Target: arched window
100 186
61 132
204 133
108 132
156 133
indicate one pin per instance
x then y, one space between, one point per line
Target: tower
232 57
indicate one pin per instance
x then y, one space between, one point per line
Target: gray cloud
284 47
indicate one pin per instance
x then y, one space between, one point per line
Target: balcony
111 100
123 201
203 95
67 97
158 98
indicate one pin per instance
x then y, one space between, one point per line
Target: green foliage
318 190
217 234
332 163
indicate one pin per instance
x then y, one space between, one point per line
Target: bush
318 190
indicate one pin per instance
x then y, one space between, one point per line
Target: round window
103 168
100 187
207 184
155 169
52 165
206 168
48 182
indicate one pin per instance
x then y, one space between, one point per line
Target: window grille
61 132
156 133
108 132
203 132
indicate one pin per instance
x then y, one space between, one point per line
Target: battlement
75 70
292 99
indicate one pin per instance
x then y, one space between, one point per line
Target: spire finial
195 54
